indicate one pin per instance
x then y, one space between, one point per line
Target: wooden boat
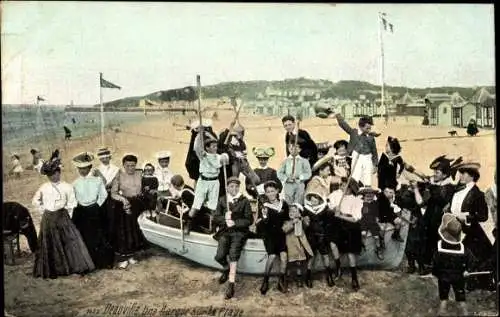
201 248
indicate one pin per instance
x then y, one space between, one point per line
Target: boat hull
201 248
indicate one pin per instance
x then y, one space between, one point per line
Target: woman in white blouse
61 250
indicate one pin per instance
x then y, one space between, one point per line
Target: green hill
249 90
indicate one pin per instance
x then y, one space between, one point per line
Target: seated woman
271 217
126 237
233 216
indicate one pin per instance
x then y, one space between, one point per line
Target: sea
26 125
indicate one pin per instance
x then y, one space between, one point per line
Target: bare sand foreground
166 285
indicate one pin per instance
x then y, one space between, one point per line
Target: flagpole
382 66
102 109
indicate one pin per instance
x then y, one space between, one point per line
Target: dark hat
263 152
233 179
49 168
394 145
177 180
209 141
442 163
450 229
272 184
83 160
338 144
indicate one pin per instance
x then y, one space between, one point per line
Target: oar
299 117
469 274
236 117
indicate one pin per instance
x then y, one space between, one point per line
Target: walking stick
200 130
236 118
299 117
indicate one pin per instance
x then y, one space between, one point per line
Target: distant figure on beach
17 168
426 118
73 120
37 159
472 129
67 133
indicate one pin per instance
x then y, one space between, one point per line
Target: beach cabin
438 107
462 113
347 110
485 103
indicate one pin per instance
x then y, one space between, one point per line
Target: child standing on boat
390 165
233 217
150 187
293 173
208 186
298 248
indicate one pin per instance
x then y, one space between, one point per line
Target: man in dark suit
17 219
361 148
309 149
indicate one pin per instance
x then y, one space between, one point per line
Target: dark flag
391 28
107 84
38 99
384 21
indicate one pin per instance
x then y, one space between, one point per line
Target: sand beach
165 285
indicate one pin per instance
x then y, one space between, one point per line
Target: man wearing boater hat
470 208
107 169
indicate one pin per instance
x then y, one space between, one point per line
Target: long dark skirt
61 250
90 222
126 236
349 239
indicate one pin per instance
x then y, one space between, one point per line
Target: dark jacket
475 238
354 138
192 163
241 214
308 148
17 219
265 175
271 226
450 261
388 171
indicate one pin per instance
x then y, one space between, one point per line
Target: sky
57 49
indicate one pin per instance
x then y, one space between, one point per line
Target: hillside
249 90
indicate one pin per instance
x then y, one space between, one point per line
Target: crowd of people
319 203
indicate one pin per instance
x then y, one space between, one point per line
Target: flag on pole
107 84
38 99
385 22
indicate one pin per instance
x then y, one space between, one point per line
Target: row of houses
451 109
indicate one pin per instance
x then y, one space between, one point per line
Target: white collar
263 168
359 131
163 169
233 198
494 190
390 157
317 209
291 156
278 206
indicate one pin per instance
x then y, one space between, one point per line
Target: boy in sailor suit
450 263
264 172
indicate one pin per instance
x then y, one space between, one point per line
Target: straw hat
163 155
83 160
450 229
368 190
103 152
263 152
321 162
